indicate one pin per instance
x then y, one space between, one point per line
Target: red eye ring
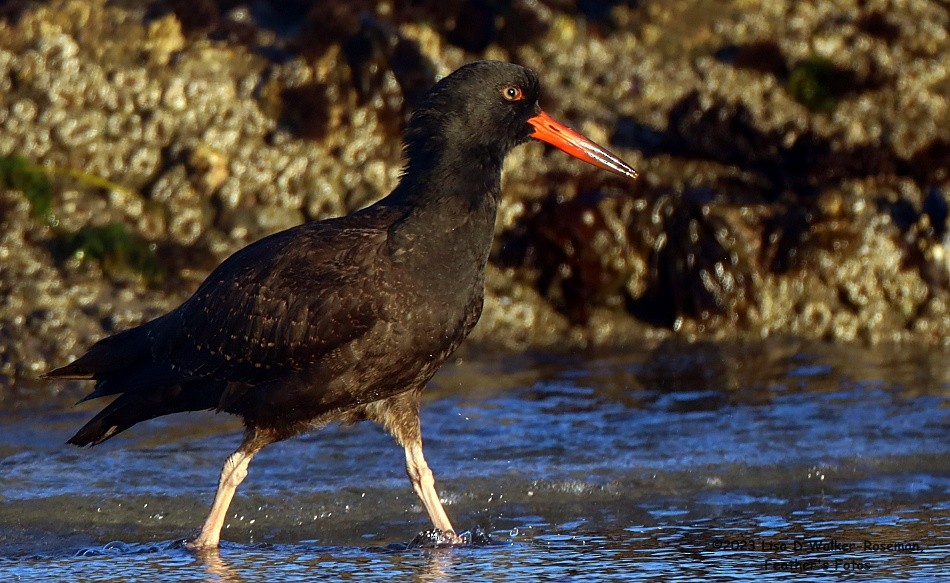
512 93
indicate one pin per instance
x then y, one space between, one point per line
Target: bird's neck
448 207
449 188
439 170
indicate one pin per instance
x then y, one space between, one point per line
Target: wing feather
277 306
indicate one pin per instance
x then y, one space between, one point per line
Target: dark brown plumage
344 319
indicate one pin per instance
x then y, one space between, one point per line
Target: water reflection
437 565
217 568
285 561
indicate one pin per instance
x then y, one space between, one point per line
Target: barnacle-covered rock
794 158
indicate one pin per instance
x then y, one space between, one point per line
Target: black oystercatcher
344 319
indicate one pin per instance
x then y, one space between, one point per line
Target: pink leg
424 484
400 416
232 474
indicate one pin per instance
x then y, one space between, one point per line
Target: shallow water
779 460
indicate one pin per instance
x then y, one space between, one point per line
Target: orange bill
549 130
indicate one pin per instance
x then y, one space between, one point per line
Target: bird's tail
123 364
109 356
133 407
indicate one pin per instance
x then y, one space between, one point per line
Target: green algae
112 245
18 173
114 248
811 82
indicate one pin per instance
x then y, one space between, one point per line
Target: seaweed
575 247
877 24
695 269
378 47
111 245
306 110
18 173
813 83
761 56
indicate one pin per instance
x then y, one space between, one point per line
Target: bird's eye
512 93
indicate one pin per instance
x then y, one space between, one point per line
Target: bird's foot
436 538
201 545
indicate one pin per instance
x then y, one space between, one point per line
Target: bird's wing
276 306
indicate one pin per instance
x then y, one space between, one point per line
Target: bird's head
491 107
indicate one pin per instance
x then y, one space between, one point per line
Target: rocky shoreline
795 160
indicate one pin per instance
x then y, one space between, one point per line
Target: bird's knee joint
420 474
235 469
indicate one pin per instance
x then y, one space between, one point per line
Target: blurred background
794 159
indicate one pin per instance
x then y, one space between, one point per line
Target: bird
344 319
